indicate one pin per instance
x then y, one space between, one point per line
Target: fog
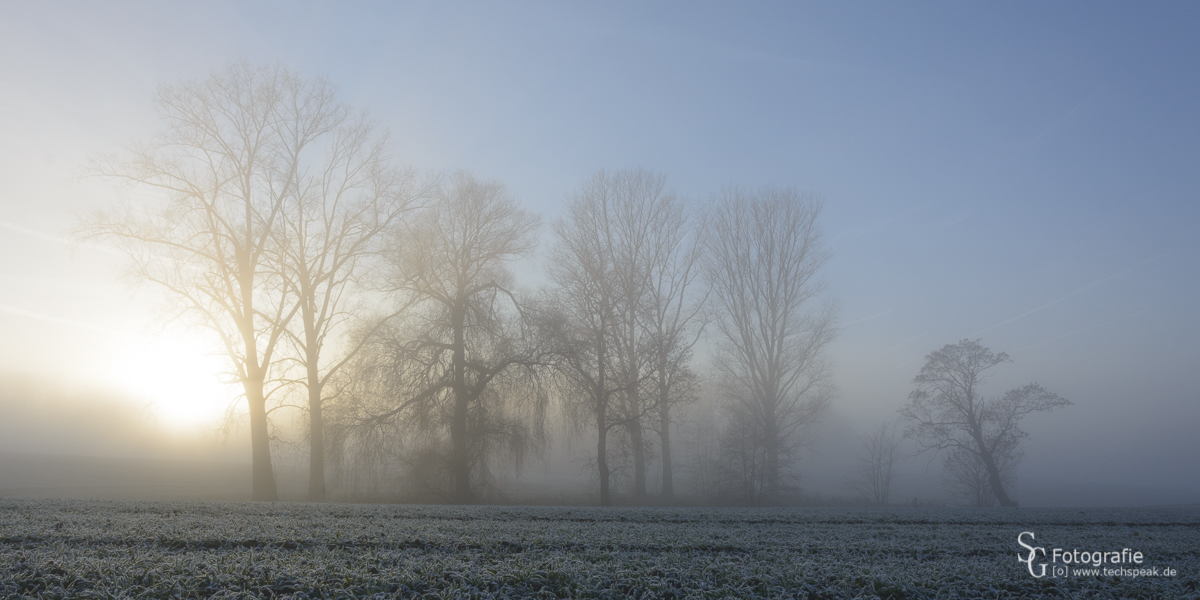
1023 176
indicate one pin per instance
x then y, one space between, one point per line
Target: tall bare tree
233 152
625 267
762 260
453 262
330 225
948 410
586 314
631 198
672 311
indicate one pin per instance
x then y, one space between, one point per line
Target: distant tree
452 262
948 410
237 148
877 463
743 453
701 442
763 255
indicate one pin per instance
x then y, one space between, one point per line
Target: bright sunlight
176 376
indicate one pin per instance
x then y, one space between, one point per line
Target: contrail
1085 288
1109 322
34 233
54 238
905 342
21 312
886 312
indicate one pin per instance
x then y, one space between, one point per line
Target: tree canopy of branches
762 260
452 262
948 410
237 148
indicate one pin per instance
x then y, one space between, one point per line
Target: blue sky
1026 173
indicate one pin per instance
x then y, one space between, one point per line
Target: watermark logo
1033 554
1058 562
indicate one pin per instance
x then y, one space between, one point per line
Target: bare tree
233 153
453 262
877 462
631 197
586 315
763 255
329 227
672 314
948 410
625 269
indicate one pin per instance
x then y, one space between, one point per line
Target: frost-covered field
62 548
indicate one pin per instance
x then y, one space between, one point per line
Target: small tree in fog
743 454
701 440
947 410
877 462
763 255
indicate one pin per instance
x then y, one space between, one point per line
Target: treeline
383 304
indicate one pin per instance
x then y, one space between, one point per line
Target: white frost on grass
61 548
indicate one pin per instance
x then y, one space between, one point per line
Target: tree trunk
664 436
460 460
989 461
602 418
771 450
262 474
996 482
637 438
316 437
602 457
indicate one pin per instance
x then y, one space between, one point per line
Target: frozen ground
104 549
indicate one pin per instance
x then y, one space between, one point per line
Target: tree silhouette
763 254
236 149
452 262
948 410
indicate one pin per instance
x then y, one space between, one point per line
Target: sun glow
178 377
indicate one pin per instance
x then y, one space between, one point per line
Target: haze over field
1023 174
